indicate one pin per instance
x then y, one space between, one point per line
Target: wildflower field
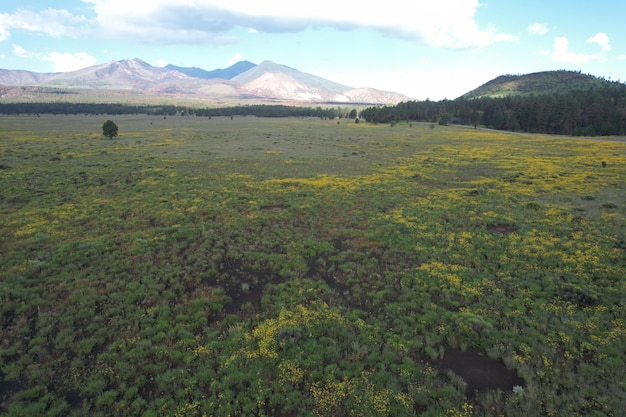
305 267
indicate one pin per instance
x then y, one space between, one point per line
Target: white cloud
446 23
236 58
161 63
622 57
602 40
561 52
62 62
505 37
20 52
538 29
51 22
4 30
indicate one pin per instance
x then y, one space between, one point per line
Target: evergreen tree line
87 108
597 111
265 110
171 110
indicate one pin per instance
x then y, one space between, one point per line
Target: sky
424 49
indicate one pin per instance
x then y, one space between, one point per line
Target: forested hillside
545 82
592 111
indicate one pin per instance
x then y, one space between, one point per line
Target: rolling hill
268 81
545 82
552 102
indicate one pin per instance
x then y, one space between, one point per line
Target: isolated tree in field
109 129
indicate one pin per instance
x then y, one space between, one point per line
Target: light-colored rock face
282 87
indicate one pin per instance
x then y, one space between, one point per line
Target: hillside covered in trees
562 102
545 82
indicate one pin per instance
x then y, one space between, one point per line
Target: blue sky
424 49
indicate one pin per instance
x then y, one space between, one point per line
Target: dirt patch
479 372
8 389
274 207
73 398
243 294
502 228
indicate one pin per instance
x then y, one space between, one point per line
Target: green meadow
304 267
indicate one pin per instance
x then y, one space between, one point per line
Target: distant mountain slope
20 77
267 81
277 86
545 82
224 74
115 75
309 80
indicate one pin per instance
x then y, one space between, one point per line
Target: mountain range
267 81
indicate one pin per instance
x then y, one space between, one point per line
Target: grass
196 266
